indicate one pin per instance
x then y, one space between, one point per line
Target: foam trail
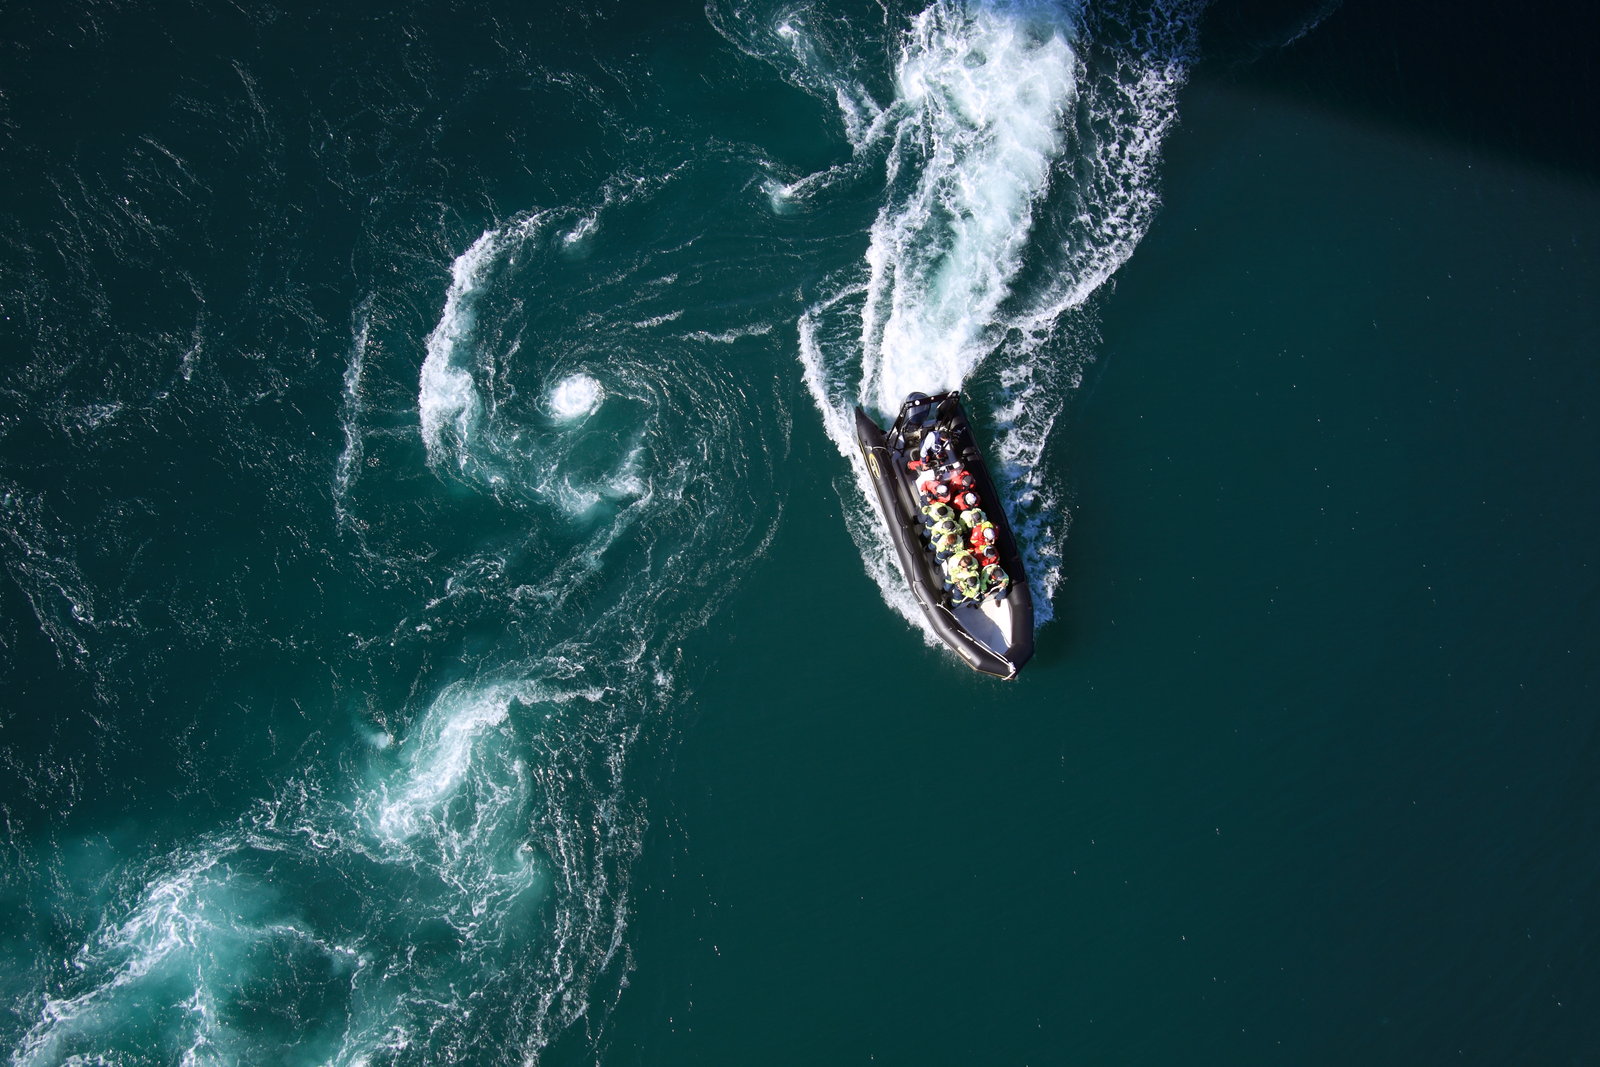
827 380
983 89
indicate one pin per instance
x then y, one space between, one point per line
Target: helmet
988 533
968 500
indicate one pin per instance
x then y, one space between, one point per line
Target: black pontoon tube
885 458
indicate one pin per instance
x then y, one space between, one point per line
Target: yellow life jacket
963 562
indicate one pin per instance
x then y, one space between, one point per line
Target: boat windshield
919 414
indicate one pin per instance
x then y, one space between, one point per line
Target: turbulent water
391 394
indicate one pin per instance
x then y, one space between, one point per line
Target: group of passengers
963 539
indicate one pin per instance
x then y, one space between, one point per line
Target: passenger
988 559
965 501
968 589
973 518
946 545
945 532
996 581
935 512
959 564
963 480
983 536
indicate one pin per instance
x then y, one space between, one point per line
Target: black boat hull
897 500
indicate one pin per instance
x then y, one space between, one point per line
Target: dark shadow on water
1520 82
1052 644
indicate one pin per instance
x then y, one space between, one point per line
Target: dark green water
441 624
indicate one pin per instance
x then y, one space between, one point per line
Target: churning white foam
449 741
205 927
448 403
576 396
983 89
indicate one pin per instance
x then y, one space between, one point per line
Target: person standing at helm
935 449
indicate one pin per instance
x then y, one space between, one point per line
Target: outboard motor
915 414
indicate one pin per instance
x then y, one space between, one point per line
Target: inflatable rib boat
962 561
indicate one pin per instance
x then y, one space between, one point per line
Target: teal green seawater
442 621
